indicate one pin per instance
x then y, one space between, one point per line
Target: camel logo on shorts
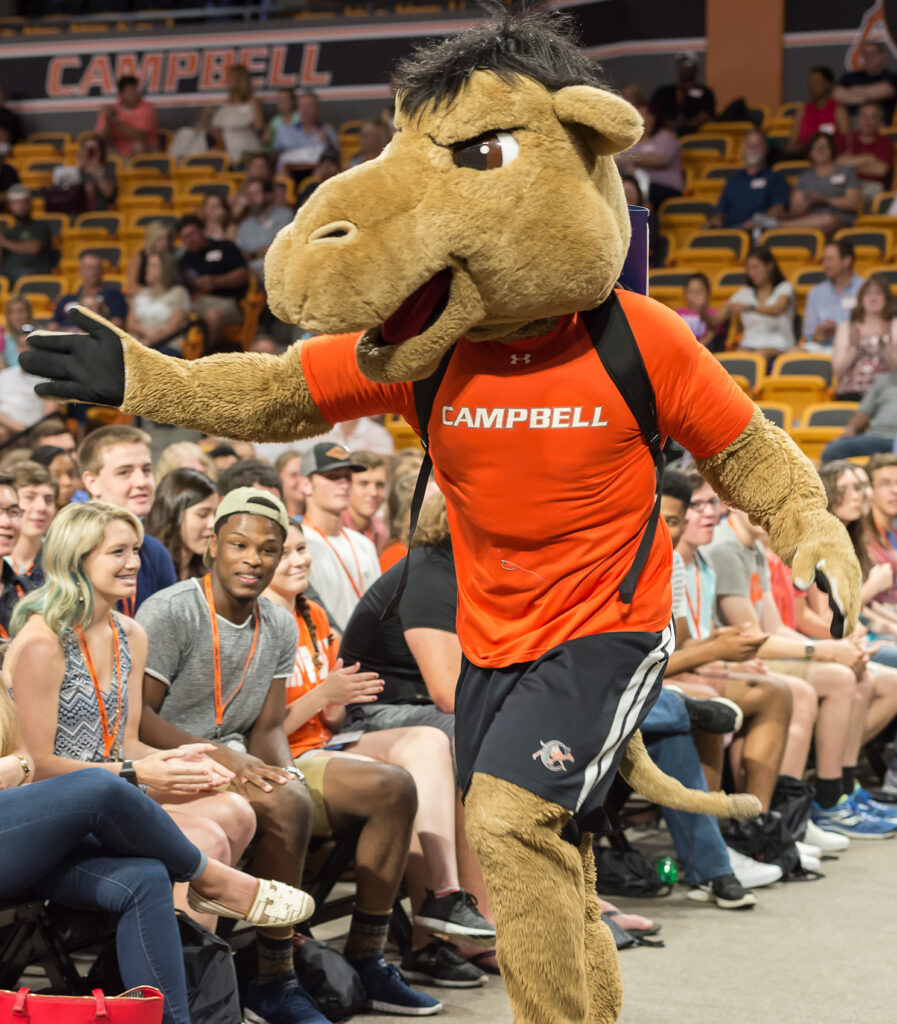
554 754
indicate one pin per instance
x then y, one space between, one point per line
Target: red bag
136 1006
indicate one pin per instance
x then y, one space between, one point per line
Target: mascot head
496 206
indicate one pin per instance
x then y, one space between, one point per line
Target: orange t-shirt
392 554
546 477
306 676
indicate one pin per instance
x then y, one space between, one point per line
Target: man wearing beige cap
26 247
344 563
216 671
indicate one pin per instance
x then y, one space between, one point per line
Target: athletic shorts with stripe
558 726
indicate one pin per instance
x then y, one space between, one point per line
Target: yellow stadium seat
107 224
779 413
794 246
682 216
725 284
799 378
667 284
870 244
43 291
714 248
700 149
213 160
820 424
792 170
748 365
881 202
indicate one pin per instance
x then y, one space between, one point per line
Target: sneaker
717 715
387 991
454 914
827 842
725 891
439 963
864 802
846 819
281 1002
889 784
753 874
810 856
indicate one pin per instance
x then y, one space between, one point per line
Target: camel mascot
486 242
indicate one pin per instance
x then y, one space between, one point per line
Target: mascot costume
478 257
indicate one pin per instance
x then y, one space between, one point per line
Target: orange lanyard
221 706
3 634
127 605
108 737
17 570
355 586
695 615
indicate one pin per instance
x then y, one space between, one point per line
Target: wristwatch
294 771
809 647
26 769
129 773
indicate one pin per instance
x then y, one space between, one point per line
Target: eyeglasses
12 512
697 505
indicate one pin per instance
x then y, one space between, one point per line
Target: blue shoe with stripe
847 820
864 802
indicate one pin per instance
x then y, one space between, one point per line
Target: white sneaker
752 873
826 842
809 856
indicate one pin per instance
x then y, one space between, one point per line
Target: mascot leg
535 884
605 987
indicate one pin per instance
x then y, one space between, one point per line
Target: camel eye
486 153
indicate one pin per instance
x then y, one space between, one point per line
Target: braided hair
302 607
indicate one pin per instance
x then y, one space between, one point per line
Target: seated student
289 468
92 842
831 667
62 469
216 671
879 533
159 307
90 285
250 473
12 586
424 753
181 518
826 196
697 312
116 466
821 113
184 455
37 499
398 517
344 563
69 717
765 306
866 344
52 431
869 152
366 496
831 302
346 786
872 428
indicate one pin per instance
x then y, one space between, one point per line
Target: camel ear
617 124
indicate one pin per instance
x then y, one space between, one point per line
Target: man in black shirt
874 84
215 274
686 104
415 652
26 247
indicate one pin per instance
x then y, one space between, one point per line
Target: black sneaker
440 964
717 715
454 914
725 891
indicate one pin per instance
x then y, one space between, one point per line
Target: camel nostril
335 229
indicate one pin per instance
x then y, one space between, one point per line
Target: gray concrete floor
810 953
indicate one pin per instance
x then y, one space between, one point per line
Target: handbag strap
100 1001
18 1007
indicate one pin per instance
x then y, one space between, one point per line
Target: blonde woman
157 237
89 840
184 455
76 672
237 126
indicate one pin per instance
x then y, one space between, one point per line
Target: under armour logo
526 358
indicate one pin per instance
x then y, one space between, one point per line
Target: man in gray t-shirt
740 569
873 427
240 706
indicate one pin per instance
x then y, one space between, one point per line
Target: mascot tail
643 775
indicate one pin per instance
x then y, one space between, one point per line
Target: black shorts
558 726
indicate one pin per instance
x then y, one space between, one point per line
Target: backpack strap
424 397
619 353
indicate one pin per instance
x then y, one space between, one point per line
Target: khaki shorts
227 307
313 765
799 667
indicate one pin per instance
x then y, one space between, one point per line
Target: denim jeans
696 837
89 840
860 444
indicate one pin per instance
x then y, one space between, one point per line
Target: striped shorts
558 726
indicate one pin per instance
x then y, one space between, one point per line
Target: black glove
838 625
81 367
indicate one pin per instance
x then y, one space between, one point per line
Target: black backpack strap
424 397
618 351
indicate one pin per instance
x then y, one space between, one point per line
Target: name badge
758 182
849 303
828 129
215 256
838 179
695 93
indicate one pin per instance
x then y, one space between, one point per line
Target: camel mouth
419 312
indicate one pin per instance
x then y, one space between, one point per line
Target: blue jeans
697 838
91 841
861 444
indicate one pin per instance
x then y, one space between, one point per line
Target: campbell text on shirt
546 476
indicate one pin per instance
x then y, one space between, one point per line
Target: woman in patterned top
76 672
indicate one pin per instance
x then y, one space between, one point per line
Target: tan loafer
275 904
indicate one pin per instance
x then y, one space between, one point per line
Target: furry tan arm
649 781
246 396
764 473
